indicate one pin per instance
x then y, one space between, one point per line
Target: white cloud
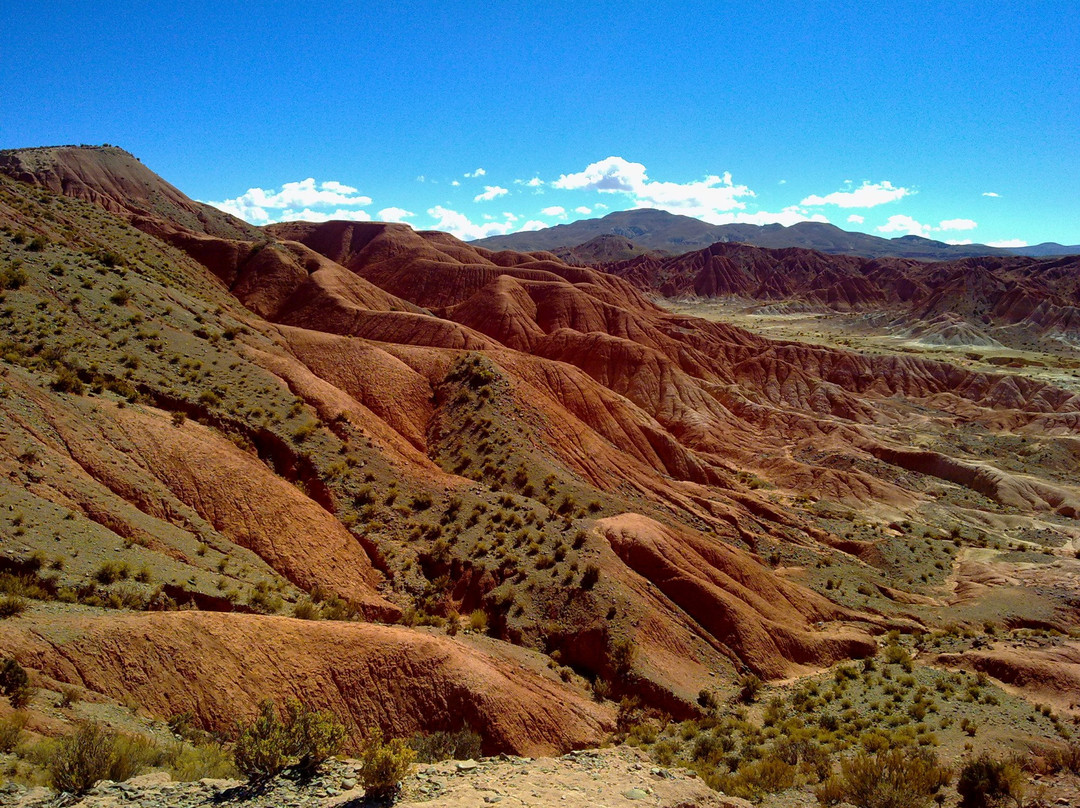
458 224
706 199
309 215
421 178
993 194
584 211
455 183
478 173
490 192
867 195
554 210
787 217
905 224
1011 243
395 215
958 224
256 204
856 218
958 242
532 224
535 182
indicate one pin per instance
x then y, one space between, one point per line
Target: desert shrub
204 760
435 746
623 655
305 609
897 778
749 687
14 683
753 779
68 381
384 764
304 740
131 756
11 606
986 782
81 759
111 572
11 727
478 621
314 735
262 747
590 576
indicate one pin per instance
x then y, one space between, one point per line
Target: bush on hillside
304 741
384 764
985 782
897 778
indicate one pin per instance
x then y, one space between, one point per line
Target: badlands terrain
733 506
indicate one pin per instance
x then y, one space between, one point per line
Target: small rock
348 784
492 798
467 765
636 794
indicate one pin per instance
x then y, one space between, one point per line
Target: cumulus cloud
532 224
395 215
583 210
458 224
478 173
790 215
708 199
490 192
905 224
1009 243
554 210
856 218
993 194
309 215
958 242
958 224
455 183
263 205
867 195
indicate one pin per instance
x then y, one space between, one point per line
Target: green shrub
81 759
304 740
590 576
749 687
897 778
14 683
306 609
11 727
435 746
11 606
204 760
262 747
314 736
131 756
384 764
985 782
68 381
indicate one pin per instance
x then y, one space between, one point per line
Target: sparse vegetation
384 764
303 741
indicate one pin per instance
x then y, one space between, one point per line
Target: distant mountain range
658 230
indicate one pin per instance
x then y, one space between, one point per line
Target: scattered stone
467 765
636 794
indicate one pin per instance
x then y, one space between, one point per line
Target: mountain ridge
655 229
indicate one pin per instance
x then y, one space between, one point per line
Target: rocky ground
588 779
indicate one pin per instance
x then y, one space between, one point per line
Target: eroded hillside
359 420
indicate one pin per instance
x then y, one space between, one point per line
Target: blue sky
958 121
